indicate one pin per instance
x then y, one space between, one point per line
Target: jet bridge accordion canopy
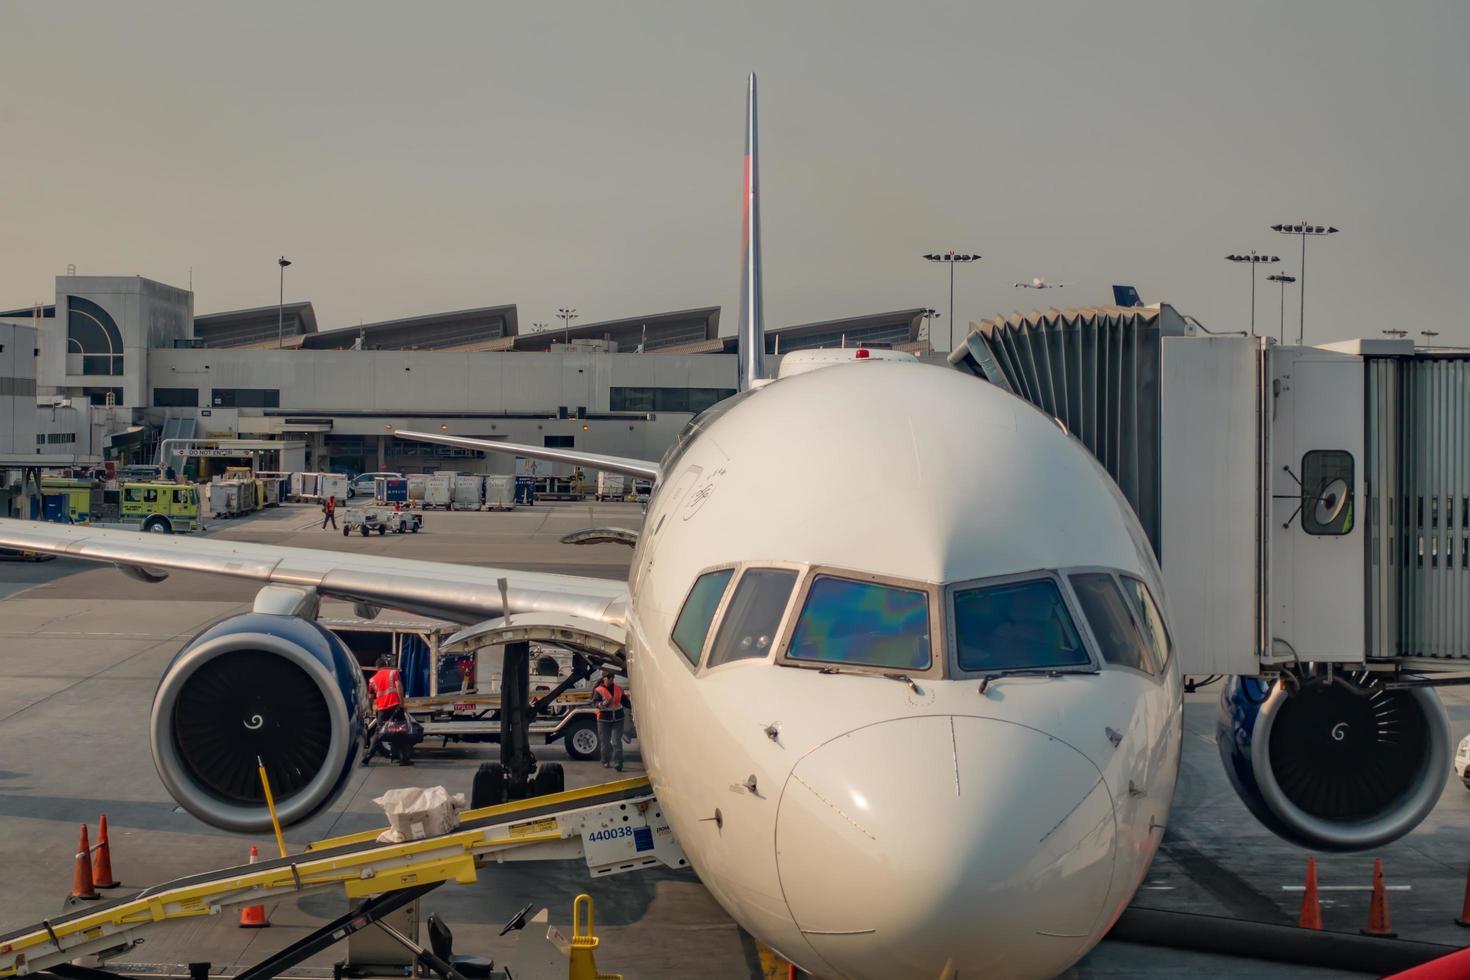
1418 466
1097 370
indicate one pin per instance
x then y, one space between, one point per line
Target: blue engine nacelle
280 689
1335 762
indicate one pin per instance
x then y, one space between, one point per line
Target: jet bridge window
699 611
1327 492
865 624
753 616
1016 625
1112 623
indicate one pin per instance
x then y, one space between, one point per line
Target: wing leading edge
458 593
640 468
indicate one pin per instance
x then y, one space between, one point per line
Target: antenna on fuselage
750 339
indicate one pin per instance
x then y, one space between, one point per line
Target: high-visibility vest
382 686
611 708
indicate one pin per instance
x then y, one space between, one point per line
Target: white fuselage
899 826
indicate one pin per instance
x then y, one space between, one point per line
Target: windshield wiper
889 675
1028 672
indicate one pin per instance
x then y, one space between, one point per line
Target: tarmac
82 648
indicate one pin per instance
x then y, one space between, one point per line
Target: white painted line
1347 888
1158 888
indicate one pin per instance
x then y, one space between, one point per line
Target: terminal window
650 399
246 398
175 397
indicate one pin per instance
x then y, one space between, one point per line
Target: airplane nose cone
946 847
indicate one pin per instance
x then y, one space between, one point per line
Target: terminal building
121 368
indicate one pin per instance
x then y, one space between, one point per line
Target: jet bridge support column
515 719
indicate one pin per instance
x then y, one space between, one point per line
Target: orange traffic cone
1311 914
102 858
253 916
81 875
1378 924
1464 919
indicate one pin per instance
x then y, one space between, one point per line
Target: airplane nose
946 847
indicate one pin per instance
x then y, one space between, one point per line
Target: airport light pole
1285 280
1428 336
1305 230
950 257
1253 260
281 303
567 316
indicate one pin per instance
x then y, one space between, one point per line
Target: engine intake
280 689
1338 763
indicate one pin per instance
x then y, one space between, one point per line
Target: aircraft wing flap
459 593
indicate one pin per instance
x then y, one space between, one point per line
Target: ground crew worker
387 690
329 512
612 706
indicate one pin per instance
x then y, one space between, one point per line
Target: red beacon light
862 354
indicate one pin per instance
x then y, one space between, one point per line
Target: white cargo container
295 486
333 485
611 486
226 498
416 484
309 484
468 491
500 493
438 491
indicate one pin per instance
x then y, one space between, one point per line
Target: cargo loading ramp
616 827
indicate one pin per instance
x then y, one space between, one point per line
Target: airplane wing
458 593
641 468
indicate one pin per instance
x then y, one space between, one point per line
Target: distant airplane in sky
1039 282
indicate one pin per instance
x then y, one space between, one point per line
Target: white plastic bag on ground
417 812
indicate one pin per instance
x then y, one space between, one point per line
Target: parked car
362 485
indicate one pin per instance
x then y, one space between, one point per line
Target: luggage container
500 493
438 491
332 485
390 490
224 498
469 489
417 482
310 484
611 486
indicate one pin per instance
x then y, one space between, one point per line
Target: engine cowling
280 689
1338 763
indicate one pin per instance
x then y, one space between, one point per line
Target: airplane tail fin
751 339
1126 296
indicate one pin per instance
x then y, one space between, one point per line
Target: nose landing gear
517 775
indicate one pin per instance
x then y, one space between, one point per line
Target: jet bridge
1307 504
616 827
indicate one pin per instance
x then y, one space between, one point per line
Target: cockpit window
1112 624
1150 618
864 624
1016 625
753 615
699 611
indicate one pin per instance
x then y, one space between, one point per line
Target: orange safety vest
612 708
382 686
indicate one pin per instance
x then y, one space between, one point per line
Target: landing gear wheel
581 740
550 778
489 787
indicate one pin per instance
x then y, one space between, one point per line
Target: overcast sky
419 157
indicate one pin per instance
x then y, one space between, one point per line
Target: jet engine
278 689
1334 761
